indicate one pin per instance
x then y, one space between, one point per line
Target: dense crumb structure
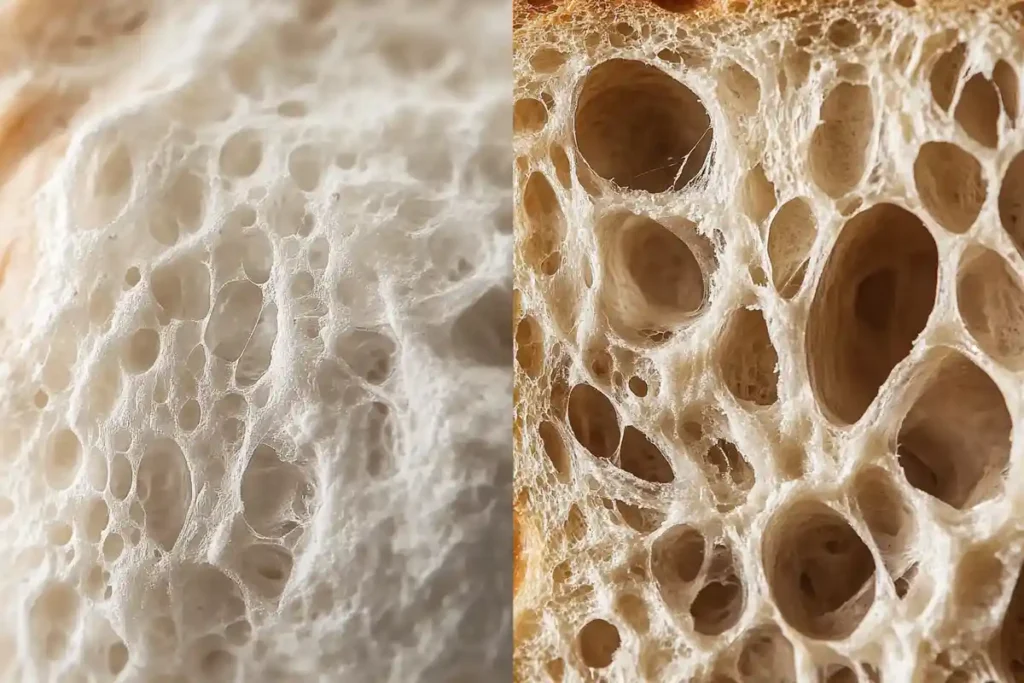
254 308
768 331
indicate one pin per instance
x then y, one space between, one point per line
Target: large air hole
182 288
241 154
643 459
951 184
790 238
890 519
655 279
759 195
874 297
1011 635
718 605
530 345
593 420
640 128
1005 78
165 491
954 444
748 360
839 146
677 556
946 74
529 115
990 298
63 459
255 359
233 319
730 475
977 110
820 572
545 224
1011 201
554 447
598 642
276 494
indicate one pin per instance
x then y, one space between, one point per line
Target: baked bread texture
255 382
769 330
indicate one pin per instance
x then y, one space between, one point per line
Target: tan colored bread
769 330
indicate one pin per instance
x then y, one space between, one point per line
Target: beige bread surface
255 264
769 332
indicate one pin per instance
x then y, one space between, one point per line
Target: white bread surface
769 336
255 291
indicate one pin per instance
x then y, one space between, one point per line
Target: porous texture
256 371
769 330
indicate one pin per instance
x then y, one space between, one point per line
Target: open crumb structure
769 329
255 292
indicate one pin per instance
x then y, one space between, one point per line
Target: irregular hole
52 619
598 642
1005 78
182 288
208 598
97 514
990 299
545 224
554 448
1010 638
677 556
117 658
888 517
641 519
790 238
1011 201
58 533
275 494
482 333
593 420
233 319
954 444
563 167
739 90
266 569
63 458
643 459
529 115
255 359
946 74
766 655
141 350
839 145
874 297
843 33
368 353
530 346
977 110
978 582
759 196
951 184
634 611
165 491
728 472
640 128
719 604
820 572
748 360
241 154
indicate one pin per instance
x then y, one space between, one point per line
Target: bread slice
769 334
255 293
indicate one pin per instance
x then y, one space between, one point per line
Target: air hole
790 238
305 164
555 449
946 74
643 459
545 223
839 145
820 572
977 584
113 544
52 619
241 154
873 299
1011 201
482 333
640 128
40 399
951 184
182 288
977 110
719 604
638 387
132 277
275 494
96 516
370 354
759 197
1011 633
255 359
990 299
843 33
889 519
1005 78
747 359
766 655
593 420
142 350
266 568
677 556
739 90
728 472
641 519
530 346
58 533
563 168
634 612
529 115
117 658
955 442
598 640
165 491
63 458
233 319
